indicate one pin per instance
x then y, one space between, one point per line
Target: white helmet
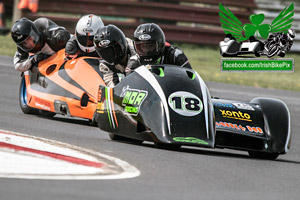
291 34
86 28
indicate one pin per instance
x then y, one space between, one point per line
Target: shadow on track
212 152
71 120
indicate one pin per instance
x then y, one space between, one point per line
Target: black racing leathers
54 38
112 73
171 55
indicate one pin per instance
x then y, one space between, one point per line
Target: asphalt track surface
191 173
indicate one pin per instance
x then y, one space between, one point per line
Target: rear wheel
115 137
23 99
272 50
263 155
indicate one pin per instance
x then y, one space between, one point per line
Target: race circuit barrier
191 21
3 29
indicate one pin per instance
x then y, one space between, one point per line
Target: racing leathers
53 38
112 73
171 55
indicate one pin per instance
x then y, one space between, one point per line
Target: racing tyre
273 50
115 137
281 54
263 155
93 122
257 54
23 99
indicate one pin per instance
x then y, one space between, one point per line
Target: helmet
27 36
149 41
86 28
291 34
111 44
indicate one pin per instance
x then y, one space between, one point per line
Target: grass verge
206 61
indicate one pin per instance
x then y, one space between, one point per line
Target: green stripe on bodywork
194 76
190 140
161 72
108 110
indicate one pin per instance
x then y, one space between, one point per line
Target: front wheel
23 99
263 155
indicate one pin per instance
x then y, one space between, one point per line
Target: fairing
67 87
165 104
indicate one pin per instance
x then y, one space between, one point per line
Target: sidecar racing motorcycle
67 87
171 106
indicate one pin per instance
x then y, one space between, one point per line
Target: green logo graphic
232 25
189 140
133 99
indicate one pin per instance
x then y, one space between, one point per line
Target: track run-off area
73 151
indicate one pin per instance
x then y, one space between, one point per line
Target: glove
71 50
37 58
72 56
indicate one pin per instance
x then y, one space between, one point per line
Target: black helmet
111 44
149 41
27 36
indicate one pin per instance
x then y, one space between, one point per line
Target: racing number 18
188 103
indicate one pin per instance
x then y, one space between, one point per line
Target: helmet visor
108 54
86 41
30 42
145 49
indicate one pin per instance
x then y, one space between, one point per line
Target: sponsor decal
100 107
239 127
236 115
185 103
189 140
145 37
87 30
132 100
19 37
104 43
243 106
100 104
225 105
42 103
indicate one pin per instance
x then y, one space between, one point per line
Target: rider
151 47
116 50
283 42
81 44
42 38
